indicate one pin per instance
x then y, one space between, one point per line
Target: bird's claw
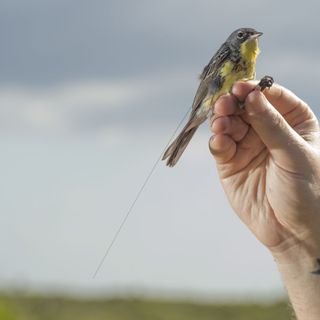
265 82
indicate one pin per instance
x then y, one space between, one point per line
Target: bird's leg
264 83
241 104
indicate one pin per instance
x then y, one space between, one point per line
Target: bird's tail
176 148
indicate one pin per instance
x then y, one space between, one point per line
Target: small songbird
235 60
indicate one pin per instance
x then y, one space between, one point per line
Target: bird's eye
240 35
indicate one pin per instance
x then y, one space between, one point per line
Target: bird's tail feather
176 148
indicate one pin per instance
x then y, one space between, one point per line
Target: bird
235 60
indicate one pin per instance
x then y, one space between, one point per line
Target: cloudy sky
90 92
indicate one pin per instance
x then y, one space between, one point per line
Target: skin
268 159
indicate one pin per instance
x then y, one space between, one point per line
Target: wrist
297 258
296 255
299 267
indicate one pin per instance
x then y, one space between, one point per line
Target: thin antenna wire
136 198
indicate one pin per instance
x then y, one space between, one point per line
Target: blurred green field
23 307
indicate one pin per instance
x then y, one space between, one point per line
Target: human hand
268 159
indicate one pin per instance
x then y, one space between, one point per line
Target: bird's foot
265 82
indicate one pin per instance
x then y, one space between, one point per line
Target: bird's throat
249 51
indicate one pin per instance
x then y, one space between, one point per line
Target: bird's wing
208 74
216 61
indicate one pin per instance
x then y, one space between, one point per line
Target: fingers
296 112
281 98
233 126
227 118
241 89
284 144
222 147
226 105
228 128
285 101
271 114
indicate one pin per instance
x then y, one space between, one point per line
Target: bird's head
243 35
245 42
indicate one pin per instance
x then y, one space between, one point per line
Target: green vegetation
23 307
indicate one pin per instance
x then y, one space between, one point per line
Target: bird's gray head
242 35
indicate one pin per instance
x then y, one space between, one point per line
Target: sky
90 93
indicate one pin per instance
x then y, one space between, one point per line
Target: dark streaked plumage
235 60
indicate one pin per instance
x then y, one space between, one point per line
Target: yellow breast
245 70
249 52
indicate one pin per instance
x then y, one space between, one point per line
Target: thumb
286 146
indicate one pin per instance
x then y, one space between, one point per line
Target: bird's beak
255 35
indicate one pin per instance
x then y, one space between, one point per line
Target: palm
245 179
257 185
